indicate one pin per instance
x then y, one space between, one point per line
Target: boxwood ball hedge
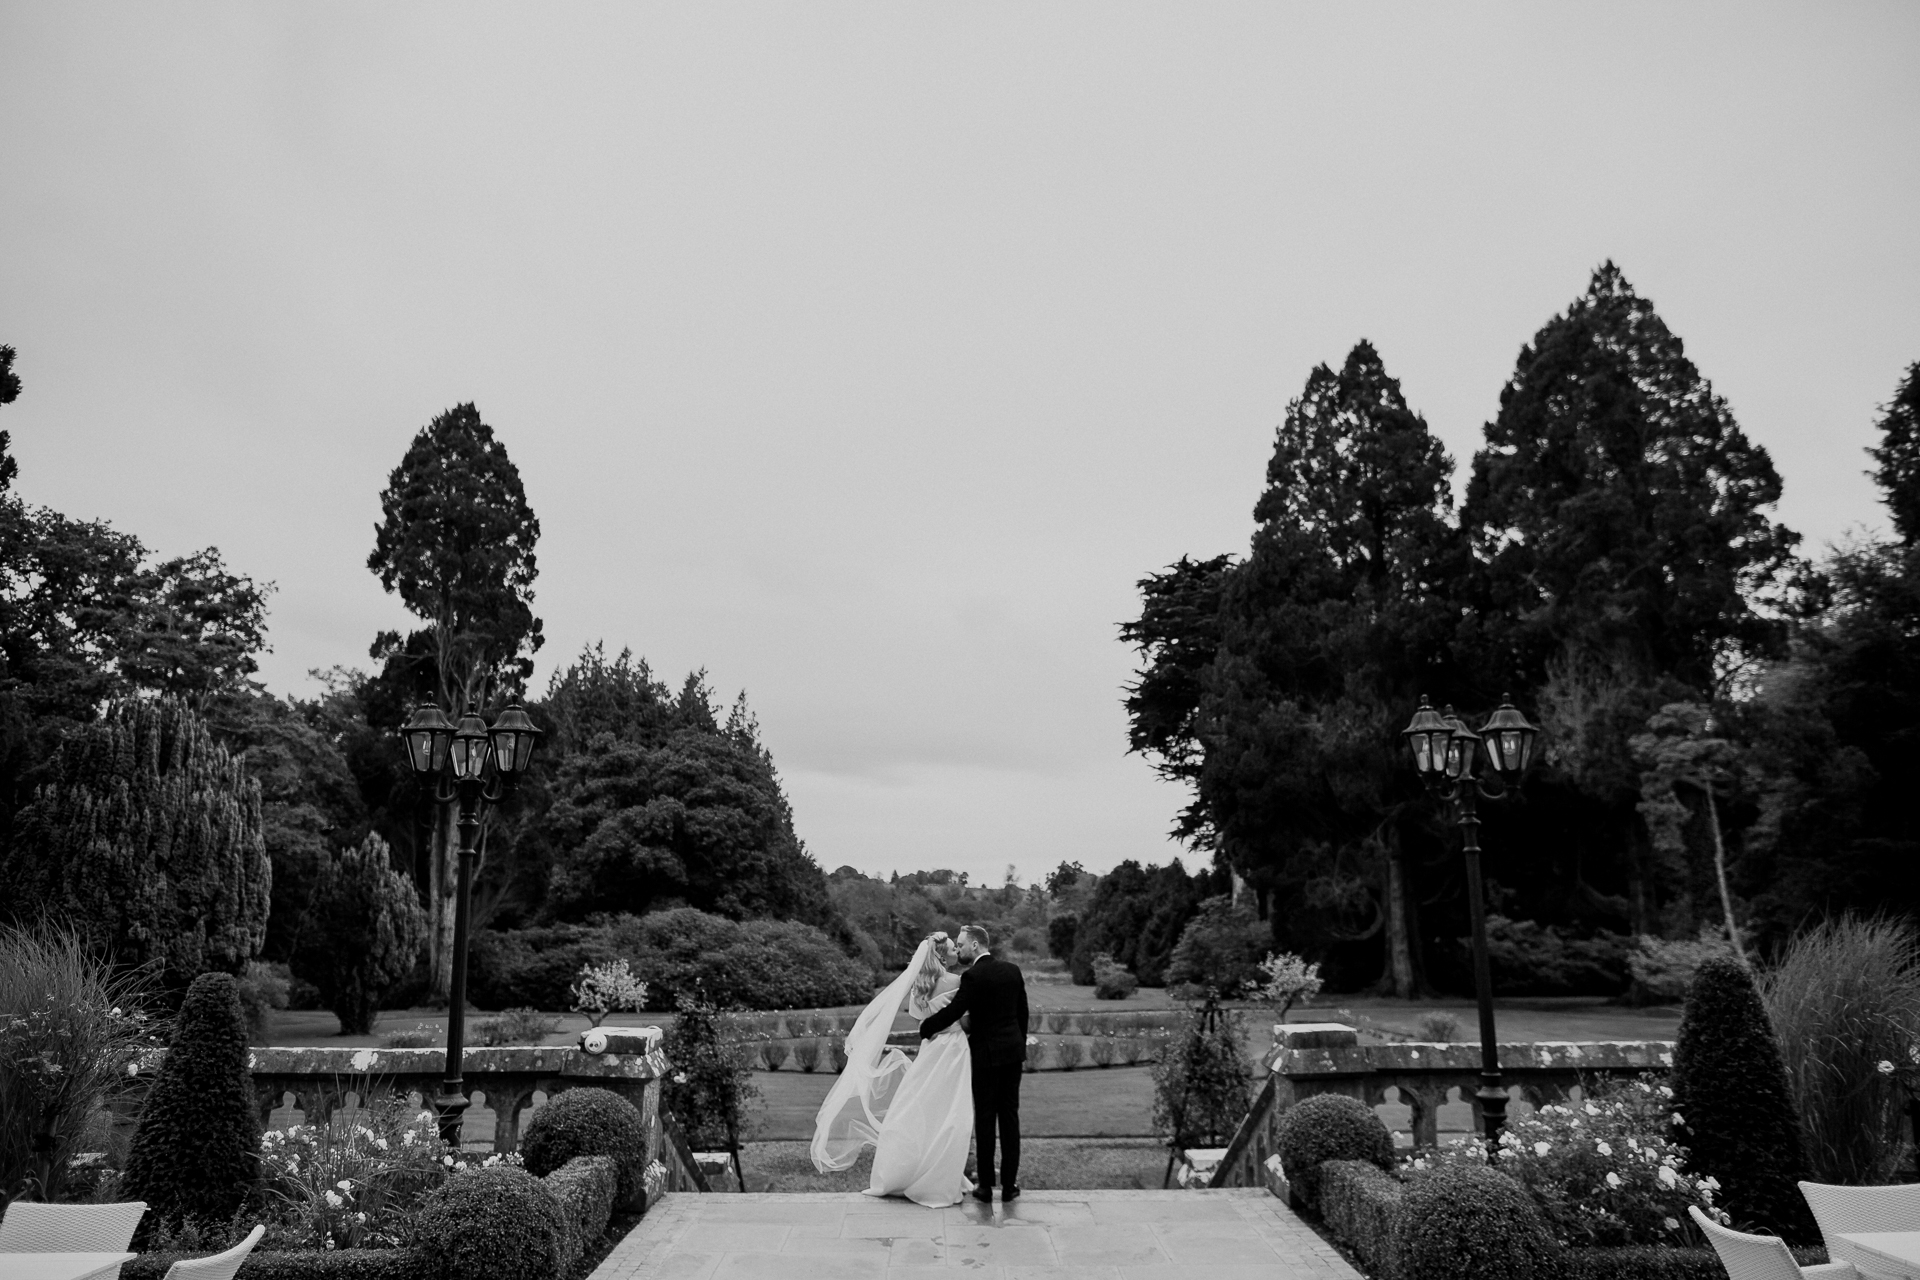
1467 1222
588 1122
1328 1126
493 1224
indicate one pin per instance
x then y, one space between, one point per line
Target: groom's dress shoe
983 1194
1011 1193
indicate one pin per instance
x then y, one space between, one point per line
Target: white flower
1710 1182
679 1077
406 1139
1541 1148
133 1068
333 1200
447 1161
1592 1110
1673 1224
1884 1067
1668 1178
1613 1180
381 1143
345 1184
1603 1148
1679 1120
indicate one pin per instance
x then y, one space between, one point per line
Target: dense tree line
151 787
1723 721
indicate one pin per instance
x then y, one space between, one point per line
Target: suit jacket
995 994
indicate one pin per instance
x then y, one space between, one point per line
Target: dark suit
995 995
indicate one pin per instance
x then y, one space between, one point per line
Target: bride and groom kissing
916 1111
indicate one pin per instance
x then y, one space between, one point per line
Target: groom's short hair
979 935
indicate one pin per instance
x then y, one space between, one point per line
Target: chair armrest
1831 1271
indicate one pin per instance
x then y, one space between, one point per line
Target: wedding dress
917 1113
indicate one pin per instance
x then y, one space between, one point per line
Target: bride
917 1113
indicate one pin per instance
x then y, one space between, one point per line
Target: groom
995 994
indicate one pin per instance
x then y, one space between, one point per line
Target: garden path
1238 1234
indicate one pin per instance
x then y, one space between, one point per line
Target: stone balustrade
319 1080
1310 1058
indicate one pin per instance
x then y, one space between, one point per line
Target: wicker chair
221 1266
1847 1209
1763 1257
70 1228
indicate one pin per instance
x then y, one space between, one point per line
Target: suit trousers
996 1106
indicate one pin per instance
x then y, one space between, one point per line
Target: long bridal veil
850 1117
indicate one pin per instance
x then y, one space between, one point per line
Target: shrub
1538 960
1202 1084
837 1049
604 988
1466 1222
710 1082
1845 1007
1664 966
1733 1105
585 1187
756 964
297 1264
1328 1126
1110 981
363 935
533 968
1440 1027
1220 949
70 1030
356 1179
515 1026
493 1224
1606 1172
1359 1202
1060 931
1102 1051
807 1053
263 988
589 1122
195 1152
1286 979
1133 1049
1025 942
1070 1053
419 1036
774 1054
146 834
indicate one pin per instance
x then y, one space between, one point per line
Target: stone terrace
1238 1234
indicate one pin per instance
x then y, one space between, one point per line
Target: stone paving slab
1237 1234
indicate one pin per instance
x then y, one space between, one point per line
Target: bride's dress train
917 1113
922 1149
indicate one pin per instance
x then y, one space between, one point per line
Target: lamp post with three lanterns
476 766
1445 752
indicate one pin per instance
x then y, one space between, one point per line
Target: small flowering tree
606 988
1607 1171
1286 979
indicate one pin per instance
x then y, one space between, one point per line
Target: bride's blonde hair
930 973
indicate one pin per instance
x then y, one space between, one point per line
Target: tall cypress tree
455 541
148 837
1626 553
363 934
1332 626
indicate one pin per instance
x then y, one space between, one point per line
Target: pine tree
1734 1107
148 837
1898 457
195 1155
363 935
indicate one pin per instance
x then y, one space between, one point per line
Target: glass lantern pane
523 751
1422 753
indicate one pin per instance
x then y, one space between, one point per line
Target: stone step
1237 1234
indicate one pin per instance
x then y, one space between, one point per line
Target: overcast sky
867 356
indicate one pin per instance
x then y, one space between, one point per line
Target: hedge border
298 1264
1358 1204
585 1187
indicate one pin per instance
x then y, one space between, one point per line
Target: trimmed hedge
584 1186
196 1152
1359 1202
1328 1126
1658 1262
1467 1222
1730 1088
493 1224
589 1122
298 1264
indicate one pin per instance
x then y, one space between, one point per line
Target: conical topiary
196 1154
1732 1106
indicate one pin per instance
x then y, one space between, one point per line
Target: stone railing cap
640 1063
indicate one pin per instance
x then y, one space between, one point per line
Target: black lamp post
1444 754
456 758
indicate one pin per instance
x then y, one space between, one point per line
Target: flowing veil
850 1117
